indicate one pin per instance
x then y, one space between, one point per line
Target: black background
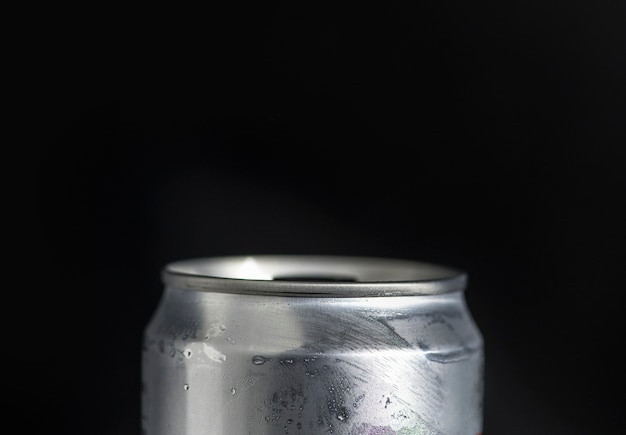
487 136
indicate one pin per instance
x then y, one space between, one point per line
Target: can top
313 276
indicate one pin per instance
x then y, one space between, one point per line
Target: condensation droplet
223 328
187 353
233 391
186 387
214 354
451 356
258 360
343 414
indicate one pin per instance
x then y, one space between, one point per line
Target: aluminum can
275 345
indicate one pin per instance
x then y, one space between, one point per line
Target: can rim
313 276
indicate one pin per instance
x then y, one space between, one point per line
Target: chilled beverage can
275 345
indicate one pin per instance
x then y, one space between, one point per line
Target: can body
229 354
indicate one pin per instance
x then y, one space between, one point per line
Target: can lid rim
313 276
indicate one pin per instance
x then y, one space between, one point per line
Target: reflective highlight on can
312 345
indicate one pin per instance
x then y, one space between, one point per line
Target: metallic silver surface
311 345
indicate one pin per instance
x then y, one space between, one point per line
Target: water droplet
446 356
230 340
187 353
290 421
214 354
186 387
258 360
299 425
233 391
223 328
